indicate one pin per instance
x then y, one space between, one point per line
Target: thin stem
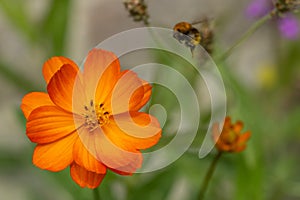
96 194
247 34
208 175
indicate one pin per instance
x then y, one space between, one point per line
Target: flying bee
185 33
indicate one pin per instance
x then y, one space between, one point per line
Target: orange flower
231 139
90 120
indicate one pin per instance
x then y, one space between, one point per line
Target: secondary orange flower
90 120
231 139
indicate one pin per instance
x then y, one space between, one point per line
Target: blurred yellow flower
267 75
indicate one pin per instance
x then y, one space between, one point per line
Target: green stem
247 34
96 194
208 175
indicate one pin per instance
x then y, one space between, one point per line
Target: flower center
95 116
230 137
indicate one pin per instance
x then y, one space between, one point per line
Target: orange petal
124 173
147 93
140 132
109 154
227 122
85 159
33 100
61 86
238 126
127 94
85 178
244 137
146 85
143 100
223 146
115 157
52 65
49 123
55 156
101 67
106 83
137 124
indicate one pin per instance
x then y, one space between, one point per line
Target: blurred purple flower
258 8
289 27
288 24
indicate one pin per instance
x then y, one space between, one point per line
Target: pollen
95 115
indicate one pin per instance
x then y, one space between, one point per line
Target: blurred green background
262 79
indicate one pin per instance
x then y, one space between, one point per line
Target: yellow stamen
95 116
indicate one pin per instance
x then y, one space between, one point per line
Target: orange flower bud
231 139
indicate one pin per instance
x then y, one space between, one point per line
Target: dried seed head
137 9
283 6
